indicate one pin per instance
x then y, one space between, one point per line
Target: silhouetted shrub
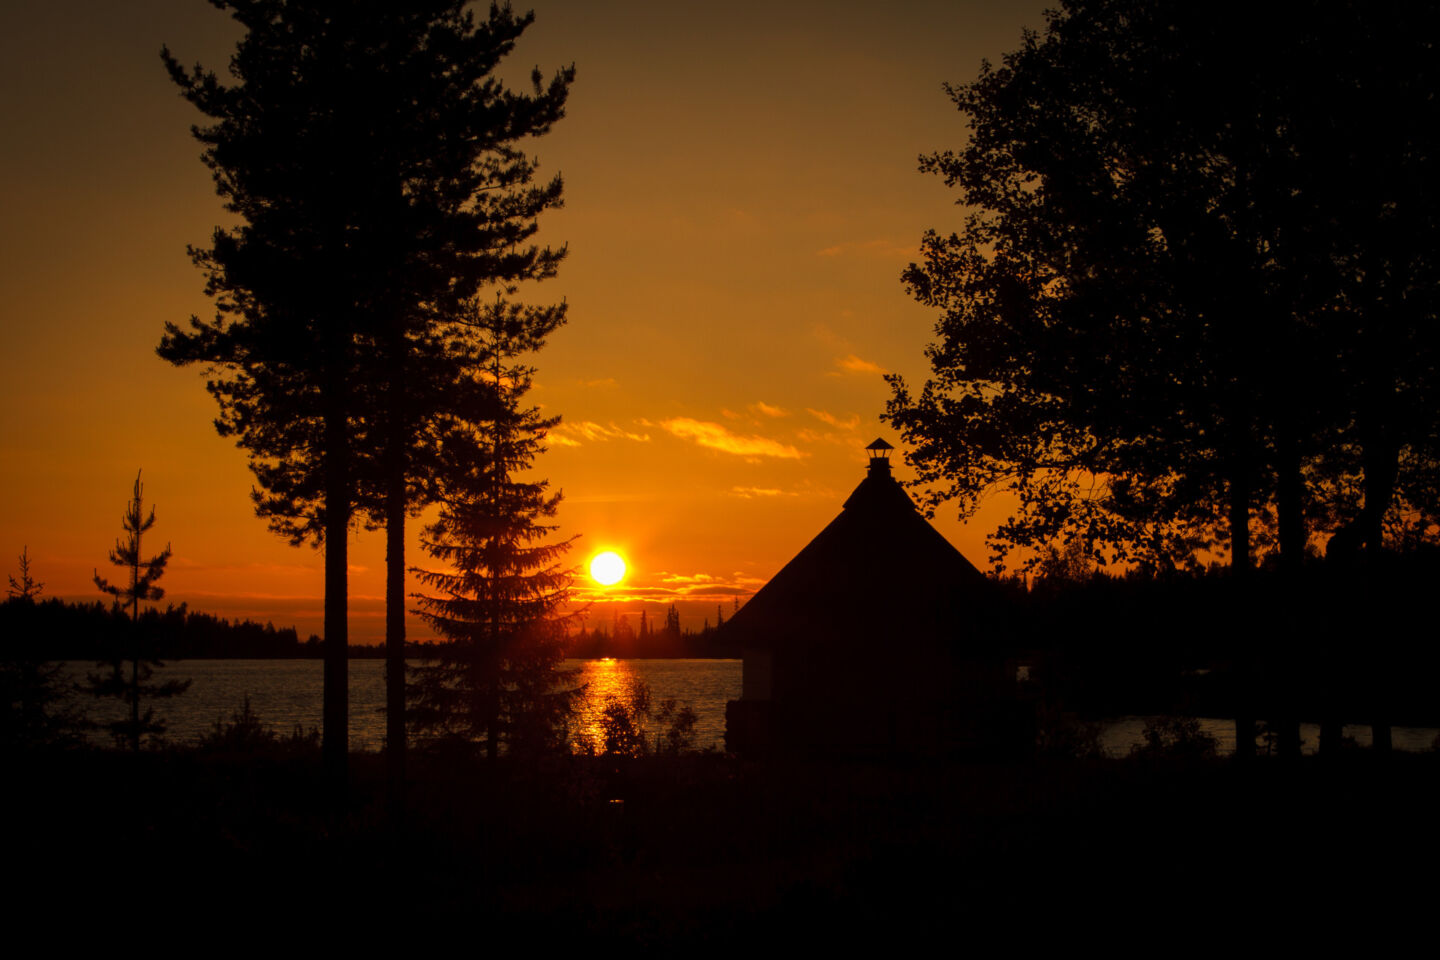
1174 738
1062 734
626 725
245 733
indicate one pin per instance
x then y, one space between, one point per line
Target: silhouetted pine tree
32 691
497 677
370 156
140 655
27 587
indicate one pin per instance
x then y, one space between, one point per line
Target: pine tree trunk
492 705
1382 464
1332 732
395 745
1382 461
135 693
1291 504
1283 656
335 747
1239 516
135 645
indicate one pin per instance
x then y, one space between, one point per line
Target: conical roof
878 574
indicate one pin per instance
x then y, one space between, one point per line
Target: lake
287 693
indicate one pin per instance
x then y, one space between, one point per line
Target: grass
669 851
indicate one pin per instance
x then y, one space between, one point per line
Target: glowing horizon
722 367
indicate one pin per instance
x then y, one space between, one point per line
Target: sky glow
741 196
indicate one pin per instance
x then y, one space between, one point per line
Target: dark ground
709 852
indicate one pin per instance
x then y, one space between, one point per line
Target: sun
607 568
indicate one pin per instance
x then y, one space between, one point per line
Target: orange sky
741 196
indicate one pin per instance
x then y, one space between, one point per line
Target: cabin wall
757 674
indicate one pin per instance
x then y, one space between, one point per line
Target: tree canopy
496 679
138 648
1195 257
372 159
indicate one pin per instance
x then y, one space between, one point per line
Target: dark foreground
710 852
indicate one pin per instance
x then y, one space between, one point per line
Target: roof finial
879 457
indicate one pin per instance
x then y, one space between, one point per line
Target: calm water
286 693
1120 735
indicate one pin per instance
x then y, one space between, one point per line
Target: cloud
882 249
851 423
718 437
854 364
570 434
605 382
749 493
761 407
667 588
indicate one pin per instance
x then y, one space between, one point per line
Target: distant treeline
56 630
699 644
621 640
1350 639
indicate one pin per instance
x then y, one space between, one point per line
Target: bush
1061 734
625 725
1174 738
245 733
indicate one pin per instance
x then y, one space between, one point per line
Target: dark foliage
1196 291
245 734
34 691
128 666
1109 646
700 853
497 679
633 724
371 158
55 630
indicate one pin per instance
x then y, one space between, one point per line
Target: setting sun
607 568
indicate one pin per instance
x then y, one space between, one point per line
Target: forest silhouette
1190 319
1188 325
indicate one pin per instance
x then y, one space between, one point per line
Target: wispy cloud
718 437
560 440
571 434
761 407
750 493
604 382
665 588
855 364
850 423
881 249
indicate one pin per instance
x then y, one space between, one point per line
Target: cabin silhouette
878 638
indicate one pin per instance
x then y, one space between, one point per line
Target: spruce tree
140 656
27 588
34 703
496 679
371 156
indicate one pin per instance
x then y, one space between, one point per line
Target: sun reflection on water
605 680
